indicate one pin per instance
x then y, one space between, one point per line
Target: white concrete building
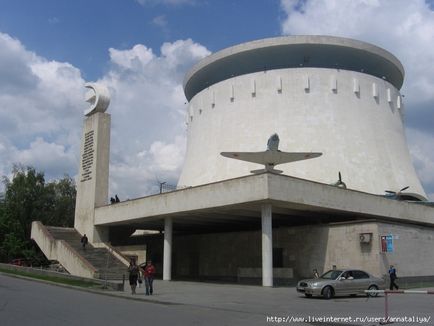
319 93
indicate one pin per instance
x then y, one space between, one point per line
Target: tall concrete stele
323 94
93 178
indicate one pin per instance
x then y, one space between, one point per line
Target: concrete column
267 245
167 252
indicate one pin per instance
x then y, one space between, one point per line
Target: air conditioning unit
365 237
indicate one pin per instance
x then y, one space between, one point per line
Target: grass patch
55 279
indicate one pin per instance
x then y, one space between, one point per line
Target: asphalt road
24 302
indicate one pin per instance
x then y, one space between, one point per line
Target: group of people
114 200
136 274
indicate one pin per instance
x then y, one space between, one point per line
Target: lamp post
161 187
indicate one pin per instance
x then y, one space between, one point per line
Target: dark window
360 274
277 257
331 275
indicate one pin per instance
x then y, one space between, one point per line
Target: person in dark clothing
84 241
117 199
112 200
133 275
393 277
149 273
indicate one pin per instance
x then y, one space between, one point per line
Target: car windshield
331 275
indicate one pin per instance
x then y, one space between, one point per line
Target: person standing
84 241
133 275
149 273
315 273
393 277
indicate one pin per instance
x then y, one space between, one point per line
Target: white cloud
46 156
168 157
40 111
147 107
423 155
135 59
42 104
15 72
403 27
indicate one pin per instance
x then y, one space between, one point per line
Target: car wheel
308 295
327 292
373 287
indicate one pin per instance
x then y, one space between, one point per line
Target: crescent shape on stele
98 97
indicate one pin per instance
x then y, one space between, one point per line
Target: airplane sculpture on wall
271 157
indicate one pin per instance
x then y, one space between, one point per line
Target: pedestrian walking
84 241
133 275
393 277
149 272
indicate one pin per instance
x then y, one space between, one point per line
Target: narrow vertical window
334 84
279 84
253 88
375 90
356 86
306 83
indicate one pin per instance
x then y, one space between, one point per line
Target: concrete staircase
107 265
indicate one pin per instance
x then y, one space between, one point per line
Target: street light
161 187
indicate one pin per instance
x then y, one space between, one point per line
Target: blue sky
81 31
141 50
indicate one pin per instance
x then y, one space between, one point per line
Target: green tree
61 195
24 200
28 198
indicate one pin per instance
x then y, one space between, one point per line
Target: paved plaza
25 302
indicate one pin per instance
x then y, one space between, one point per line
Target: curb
89 290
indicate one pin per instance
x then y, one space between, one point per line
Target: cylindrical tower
324 94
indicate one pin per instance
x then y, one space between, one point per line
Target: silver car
340 282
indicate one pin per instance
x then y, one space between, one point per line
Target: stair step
97 257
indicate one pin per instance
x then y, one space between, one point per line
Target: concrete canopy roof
237 202
293 52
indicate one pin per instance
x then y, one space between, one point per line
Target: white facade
352 117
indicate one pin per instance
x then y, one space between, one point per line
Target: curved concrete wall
354 118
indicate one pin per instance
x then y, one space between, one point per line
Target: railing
166 187
387 319
116 253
